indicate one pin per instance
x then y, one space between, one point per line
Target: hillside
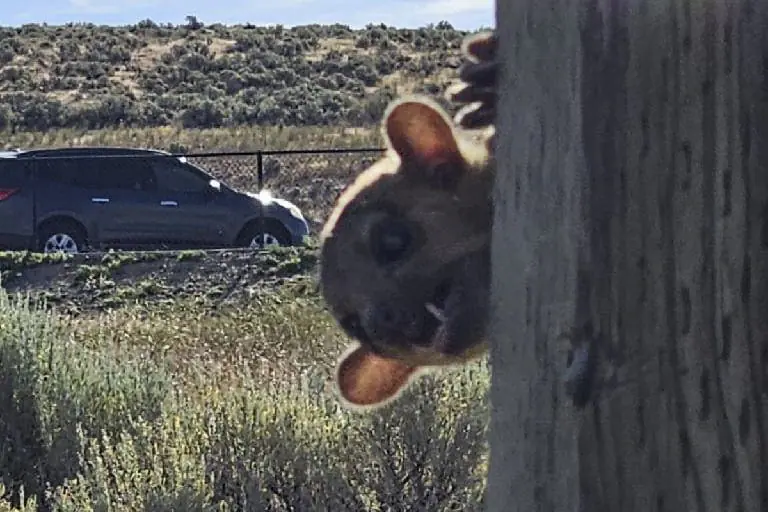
196 76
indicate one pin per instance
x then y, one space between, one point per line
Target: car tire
61 237
274 232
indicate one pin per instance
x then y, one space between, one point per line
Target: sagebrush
197 76
195 408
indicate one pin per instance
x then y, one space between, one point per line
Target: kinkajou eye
390 241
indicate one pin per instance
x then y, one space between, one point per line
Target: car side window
61 171
13 173
173 176
129 173
98 173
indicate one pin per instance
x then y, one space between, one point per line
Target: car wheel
273 235
61 239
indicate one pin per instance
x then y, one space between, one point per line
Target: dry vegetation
192 403
200 76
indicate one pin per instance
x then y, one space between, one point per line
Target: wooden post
632 195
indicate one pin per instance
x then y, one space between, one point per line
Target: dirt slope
110 280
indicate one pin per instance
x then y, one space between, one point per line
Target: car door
191 213
132 216
67 187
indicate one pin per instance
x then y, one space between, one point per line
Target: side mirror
215 185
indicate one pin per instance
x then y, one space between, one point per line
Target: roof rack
92 150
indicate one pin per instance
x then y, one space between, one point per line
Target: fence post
260 168
260 178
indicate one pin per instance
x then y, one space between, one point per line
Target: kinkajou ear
422 134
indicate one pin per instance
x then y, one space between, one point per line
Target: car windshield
184 160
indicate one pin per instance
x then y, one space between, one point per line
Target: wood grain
632 194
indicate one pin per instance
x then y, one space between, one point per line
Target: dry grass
212 341
216 139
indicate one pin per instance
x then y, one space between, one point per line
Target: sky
462 14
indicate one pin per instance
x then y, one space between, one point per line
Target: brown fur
411 232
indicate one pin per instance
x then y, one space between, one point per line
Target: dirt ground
97 282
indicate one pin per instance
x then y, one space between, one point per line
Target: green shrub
50 74
97 419
279 448
51 386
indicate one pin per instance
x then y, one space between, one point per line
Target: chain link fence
311 179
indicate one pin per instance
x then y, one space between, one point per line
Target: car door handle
99 200
169 203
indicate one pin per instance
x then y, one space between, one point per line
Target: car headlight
266 197
294 210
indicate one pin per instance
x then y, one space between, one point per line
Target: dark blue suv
78 199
